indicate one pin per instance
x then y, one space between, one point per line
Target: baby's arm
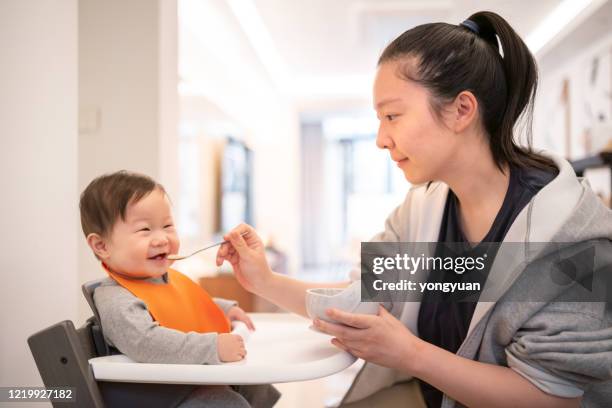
225 304
234 313
127 325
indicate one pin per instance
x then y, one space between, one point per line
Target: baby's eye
168 226
146 229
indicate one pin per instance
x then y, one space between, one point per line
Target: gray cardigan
564 348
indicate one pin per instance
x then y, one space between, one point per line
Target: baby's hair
107 197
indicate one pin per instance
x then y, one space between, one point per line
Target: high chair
62 354
283 349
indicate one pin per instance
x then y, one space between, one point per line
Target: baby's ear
98 245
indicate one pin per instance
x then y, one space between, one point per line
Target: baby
149 312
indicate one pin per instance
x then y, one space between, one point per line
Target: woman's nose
383 140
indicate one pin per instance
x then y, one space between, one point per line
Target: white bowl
347 299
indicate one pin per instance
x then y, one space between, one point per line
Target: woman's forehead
391 90
390 87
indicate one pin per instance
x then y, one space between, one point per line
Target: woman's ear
98 245
466 110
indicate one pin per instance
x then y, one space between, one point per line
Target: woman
448 98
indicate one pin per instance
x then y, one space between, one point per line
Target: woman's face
421 146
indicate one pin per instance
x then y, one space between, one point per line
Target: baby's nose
159 240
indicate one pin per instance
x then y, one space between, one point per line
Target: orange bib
179 304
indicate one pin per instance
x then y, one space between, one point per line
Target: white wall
168 103
587 102
127 98
38 163
548 113
578 128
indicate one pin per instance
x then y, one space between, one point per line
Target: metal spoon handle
181 257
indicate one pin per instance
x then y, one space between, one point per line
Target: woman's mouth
400 162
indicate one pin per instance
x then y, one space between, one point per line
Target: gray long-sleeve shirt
128 326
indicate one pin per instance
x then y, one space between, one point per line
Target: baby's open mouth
159 257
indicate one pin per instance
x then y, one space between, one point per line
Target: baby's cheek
175 244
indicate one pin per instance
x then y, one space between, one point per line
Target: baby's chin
157 272
144 274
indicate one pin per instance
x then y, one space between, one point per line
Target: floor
323 392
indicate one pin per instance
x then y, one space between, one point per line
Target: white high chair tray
282 349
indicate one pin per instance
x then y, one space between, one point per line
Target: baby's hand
230 347
236 313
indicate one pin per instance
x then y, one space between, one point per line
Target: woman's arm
384 340
247 256
477 384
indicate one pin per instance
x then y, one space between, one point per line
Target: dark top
443 318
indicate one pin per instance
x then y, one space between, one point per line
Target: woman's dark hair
450 59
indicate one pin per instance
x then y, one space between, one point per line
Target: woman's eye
390 117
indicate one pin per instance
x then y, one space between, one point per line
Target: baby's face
139 245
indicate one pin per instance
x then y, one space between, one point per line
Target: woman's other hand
230 347
247 255
379 339
236 313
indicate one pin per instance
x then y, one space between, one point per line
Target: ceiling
325 51
323 38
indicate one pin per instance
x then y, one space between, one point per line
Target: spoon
177 257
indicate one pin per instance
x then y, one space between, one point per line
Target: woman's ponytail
521 76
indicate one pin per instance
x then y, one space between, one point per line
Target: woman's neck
480 187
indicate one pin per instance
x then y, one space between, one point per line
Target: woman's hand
379 339
236 313
247 256
230 347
